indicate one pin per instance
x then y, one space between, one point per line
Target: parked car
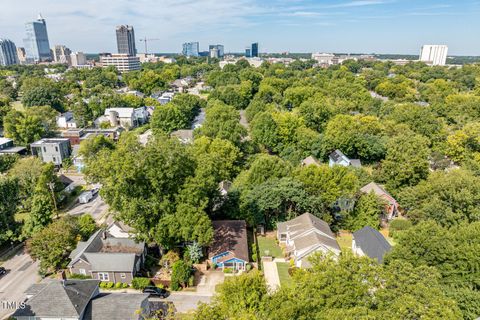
85 197
3 271
156 292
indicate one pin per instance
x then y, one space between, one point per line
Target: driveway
271 275
209 281
185 301
96 207
22 273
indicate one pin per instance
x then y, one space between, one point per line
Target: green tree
9 200
406 162
53 244
41 92
222 121
367 212
86 226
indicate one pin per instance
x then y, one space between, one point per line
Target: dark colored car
156 292
3 271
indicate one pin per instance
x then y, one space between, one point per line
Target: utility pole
51 185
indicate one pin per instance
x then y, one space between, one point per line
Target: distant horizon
277 25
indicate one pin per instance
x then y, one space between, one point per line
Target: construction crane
145 40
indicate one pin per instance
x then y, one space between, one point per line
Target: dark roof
117 306
60 299
65 180
372 243
230 235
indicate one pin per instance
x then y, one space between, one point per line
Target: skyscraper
435 55
36 43
190 49
248 52
126 40
216 50
22 56
8 53
61 54
254 51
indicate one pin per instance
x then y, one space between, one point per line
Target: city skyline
361 26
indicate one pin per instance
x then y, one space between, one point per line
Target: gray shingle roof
116 306
372 243
59 299
114 262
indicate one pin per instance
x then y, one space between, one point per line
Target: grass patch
282 268
345 241
266 244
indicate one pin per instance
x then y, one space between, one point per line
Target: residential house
7 147
224 186
184 135
80 300
66 121
124 117
107 258
310 160
391 205
165 97
118 229
338 158
52 150
369 242
229 248
305 235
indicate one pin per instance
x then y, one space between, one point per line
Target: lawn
282 268
345 241
270 245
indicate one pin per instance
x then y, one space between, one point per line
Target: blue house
229 248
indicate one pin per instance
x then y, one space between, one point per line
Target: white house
305 235
124 117
338 158
66 121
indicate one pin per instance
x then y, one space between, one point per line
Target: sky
339 26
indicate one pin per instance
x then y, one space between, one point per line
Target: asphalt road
22 273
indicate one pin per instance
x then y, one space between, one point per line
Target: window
103 276
82 271
44 149
56 148
122 275
54 160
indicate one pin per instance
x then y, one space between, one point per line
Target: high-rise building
61 54
22 56
435 55
248 52
126 40
123 62
254 51
36 43
216 51
190 49
8 52
78 59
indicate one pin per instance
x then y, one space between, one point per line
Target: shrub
124 285
161 286
110 284
181 272
214 266
254 257
118 285
227 270
139 283
103 284
248 267
191 281
79 276
398 225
